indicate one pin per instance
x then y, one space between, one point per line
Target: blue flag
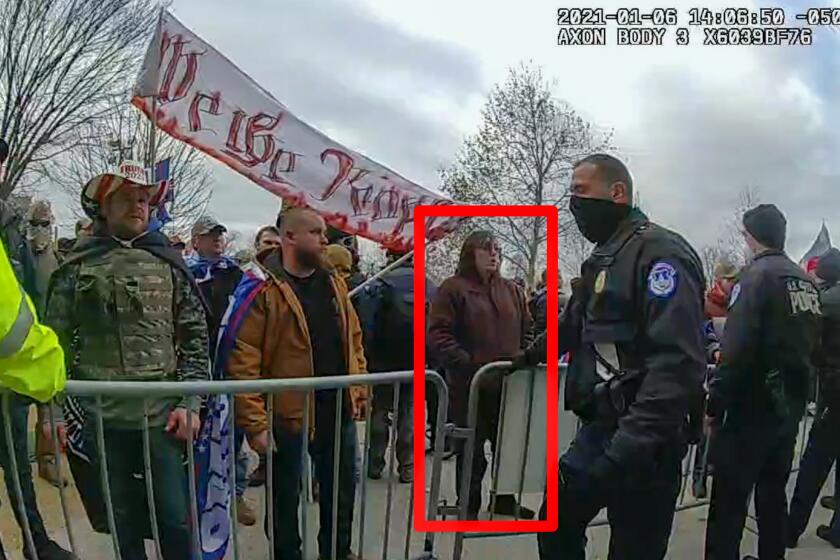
160 216
214 486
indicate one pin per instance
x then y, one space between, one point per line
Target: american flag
160 173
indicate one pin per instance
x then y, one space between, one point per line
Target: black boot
506 505
824 532
48 550
828 502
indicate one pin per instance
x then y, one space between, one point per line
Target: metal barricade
468 435
415 547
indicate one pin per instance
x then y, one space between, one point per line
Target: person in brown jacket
478 317
302 325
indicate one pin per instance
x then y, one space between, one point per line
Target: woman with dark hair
478 317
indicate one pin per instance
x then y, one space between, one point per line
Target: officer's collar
769 253
635 220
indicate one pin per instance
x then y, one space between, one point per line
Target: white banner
203 99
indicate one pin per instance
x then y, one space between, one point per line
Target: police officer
823 448
758 392
634 328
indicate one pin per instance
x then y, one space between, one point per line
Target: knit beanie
767 225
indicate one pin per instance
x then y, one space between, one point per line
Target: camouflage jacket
141 319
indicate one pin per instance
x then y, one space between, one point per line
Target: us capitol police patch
662 280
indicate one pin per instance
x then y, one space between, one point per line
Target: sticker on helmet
662 280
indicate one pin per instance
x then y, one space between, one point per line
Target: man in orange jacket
302 324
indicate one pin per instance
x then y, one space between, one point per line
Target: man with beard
39 232
125 308
634 328
302 324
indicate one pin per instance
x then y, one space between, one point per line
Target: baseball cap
129 173
205 225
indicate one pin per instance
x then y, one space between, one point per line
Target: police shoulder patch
662 280
733 297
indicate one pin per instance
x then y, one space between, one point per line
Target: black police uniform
634 326
823 448
757 396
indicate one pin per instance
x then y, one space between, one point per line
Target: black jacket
217 292
767 351
828 352
639 308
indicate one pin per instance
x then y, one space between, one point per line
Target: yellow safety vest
31 359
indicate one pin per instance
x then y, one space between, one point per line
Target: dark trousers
383 402
486 429
19 414
640 501
756 455
124 456
821 453
288 466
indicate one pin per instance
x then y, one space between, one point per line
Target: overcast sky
404 81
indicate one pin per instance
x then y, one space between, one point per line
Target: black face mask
597 218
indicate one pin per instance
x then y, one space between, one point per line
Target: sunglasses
39 223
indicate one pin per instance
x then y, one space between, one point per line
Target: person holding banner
302 324
634 328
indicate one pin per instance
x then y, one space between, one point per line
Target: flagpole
150 154
152 148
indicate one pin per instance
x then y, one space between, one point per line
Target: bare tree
62 64
123 133
574 249
523 153
730 244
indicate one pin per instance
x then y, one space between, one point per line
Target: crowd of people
655 362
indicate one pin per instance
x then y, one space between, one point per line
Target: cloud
369 85
403 82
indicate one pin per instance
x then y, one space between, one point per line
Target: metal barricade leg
364 478
409 524
17 488
339 401
437 461
307 474
524 463
234 514
149 481
392 468
196 536
103 478
62 493
494 477
269 477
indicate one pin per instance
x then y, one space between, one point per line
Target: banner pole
381 273
150 155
